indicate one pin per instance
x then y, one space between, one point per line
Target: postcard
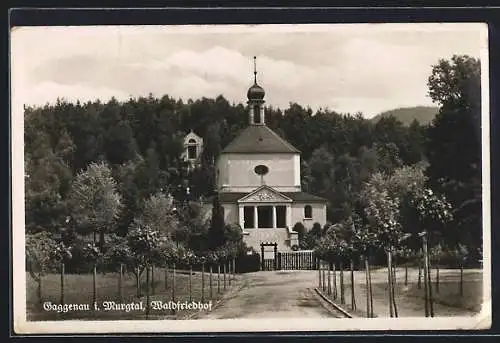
250 178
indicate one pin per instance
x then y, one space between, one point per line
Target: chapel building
258 182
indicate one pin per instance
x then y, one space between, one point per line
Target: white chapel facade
258 183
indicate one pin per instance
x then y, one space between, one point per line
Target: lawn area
78 290
449 290
410 299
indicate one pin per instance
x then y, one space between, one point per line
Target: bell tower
256 101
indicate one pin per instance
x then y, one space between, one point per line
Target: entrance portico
264 215
264 208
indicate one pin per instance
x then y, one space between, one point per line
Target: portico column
289 216
255 217
274 216
242 217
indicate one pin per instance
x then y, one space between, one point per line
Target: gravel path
273 294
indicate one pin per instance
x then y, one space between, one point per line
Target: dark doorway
281 216
265 216
248 217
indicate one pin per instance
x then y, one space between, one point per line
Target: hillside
423 114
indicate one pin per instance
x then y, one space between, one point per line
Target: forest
133 148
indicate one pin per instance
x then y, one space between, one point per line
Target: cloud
348 69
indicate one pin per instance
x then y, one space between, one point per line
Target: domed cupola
256 92
256 101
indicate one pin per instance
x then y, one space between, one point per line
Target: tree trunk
437 278
137 282
427 277
367 283
431 300
394 276
426 288
406 274
389 283
147 291
461 279
323 277
419 283
372 314
224 271
190 283
342 295
393 290
62 283
218 278
353 295
234 268
173 286
202 282
211 284
101 239
319 274
152 280
334 281
120 283
166 277
229 272
94 288
329 282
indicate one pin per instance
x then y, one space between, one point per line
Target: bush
248 263
300 229
317 229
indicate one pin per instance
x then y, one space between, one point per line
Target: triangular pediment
264 194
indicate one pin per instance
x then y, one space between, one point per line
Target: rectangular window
281 216
265 216
248 217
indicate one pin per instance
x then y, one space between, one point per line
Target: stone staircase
253 238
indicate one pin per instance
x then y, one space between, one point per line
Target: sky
367 68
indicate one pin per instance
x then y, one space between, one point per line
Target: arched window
192 149
308 212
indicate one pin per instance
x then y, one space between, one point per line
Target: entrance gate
268 263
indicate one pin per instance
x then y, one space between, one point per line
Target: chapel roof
259 139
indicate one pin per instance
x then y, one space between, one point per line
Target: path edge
337 307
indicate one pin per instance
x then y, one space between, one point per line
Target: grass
78 289
449 294
410 299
